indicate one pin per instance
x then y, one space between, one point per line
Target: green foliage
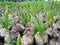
24 16
42 26
33 6
6 19
5 22
38 24
1 22
52 17
18 40
9 41
48 15
14 22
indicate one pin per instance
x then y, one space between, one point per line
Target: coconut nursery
30 22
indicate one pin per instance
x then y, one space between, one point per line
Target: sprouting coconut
20 28
26 39
38 39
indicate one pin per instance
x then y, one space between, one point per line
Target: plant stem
47 23
43 39
32 40
9 37
52 24
52 30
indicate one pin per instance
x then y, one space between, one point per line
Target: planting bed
30 23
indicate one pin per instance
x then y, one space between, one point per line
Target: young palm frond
5 22
25 17
18 40
38 24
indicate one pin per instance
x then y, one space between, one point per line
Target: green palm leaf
18 40
6 19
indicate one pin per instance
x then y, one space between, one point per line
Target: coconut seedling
39 26
5 23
